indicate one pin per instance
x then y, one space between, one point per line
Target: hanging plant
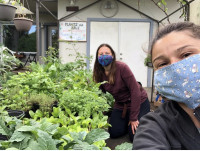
7 9
23 24
21 21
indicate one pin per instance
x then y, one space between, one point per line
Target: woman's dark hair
98 70
180 26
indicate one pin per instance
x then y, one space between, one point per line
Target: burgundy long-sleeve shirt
125 88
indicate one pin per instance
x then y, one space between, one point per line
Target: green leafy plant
17 99
11 2
8 61
44 102
80 102
147 60
124 146
83 102
87 141
14 98
29 134
162 5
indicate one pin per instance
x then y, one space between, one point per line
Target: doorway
129 39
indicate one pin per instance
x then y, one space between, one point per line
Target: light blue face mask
180 81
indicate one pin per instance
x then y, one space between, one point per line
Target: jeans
120 125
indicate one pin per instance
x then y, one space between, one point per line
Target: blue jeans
120 125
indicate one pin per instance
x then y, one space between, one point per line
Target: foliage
6 76
44 101
27 42
147 60
124 146
87 141
83 102
35 82
69 124
11 2
109 98
14 98
29 134
8 61
162 5
80 103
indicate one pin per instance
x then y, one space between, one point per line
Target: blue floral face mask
105 60
180 81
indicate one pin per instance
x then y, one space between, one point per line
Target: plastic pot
7 12
23 24
16 113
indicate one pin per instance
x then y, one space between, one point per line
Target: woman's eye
185 55
161 65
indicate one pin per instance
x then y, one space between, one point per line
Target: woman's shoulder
121 64
153 129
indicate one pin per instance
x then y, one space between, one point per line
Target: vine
162 5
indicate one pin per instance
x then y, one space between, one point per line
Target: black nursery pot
3 137
16 113
34 108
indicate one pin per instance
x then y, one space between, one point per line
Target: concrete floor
112 143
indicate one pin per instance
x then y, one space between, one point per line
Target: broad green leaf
56 111
96 135
45 141
124 146
48 127
69 145
25 143
85 146
27 129
3 128
105 148
17 136
12 148
31 113
78 136
63 130
33 145
66 138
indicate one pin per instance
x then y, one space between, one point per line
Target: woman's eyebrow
159 57
179 50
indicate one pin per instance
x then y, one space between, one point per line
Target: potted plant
7 9
21 21
8 61
147 61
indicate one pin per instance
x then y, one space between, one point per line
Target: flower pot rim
8 5
23 18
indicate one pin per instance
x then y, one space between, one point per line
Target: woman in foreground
175 124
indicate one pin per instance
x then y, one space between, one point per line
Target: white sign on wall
72 31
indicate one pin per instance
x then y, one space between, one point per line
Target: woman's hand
134 125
